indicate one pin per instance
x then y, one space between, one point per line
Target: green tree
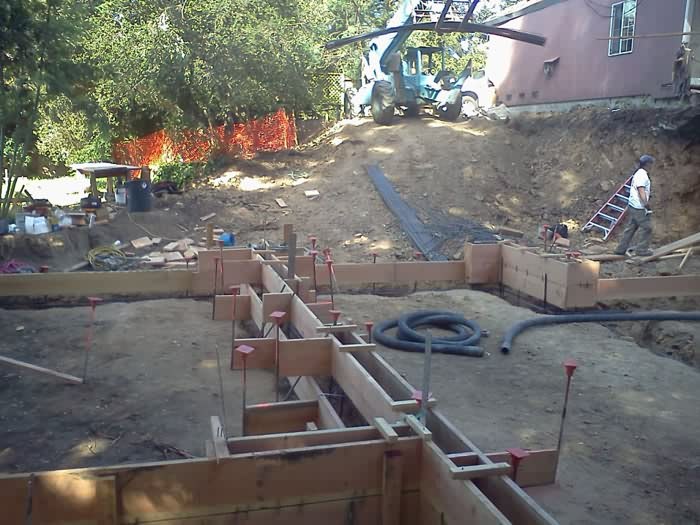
36 43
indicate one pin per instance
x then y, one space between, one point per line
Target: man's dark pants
636 220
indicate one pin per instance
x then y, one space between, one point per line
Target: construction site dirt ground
630 455
631 451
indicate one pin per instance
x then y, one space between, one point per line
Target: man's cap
646 159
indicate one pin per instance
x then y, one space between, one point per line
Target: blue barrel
138 196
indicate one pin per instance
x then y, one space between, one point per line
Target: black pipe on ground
464 342
654 315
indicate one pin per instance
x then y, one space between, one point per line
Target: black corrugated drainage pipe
653 315
467 333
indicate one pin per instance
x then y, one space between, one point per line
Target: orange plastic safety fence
272 133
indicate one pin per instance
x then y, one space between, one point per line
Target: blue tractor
418 79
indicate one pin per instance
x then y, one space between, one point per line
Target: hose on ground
653 315
107 258
467 333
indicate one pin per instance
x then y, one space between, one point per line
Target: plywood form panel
482 263
204 487
275 418
136 282
235 272
349 273
224 312
640 287
205 258
455 501
276 302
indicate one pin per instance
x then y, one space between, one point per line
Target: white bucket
120 196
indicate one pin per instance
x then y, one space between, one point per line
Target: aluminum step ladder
612 212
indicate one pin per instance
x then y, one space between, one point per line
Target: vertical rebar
426 376
221 392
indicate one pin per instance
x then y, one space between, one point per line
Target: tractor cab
424 72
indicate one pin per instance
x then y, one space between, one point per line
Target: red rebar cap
245 350
570 365
277 316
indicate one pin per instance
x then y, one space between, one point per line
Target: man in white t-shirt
638 211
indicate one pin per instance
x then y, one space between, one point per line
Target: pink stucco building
578 64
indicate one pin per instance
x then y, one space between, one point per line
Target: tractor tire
470 106
451 111
382 102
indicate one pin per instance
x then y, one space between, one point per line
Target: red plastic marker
516 455
369 325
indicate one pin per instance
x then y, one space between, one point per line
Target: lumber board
224 312
538 468
256 313
482 263
480 471
205 258
276 302
391 272
686 242
298 357
199 487
321 311
361 509
452 499
357 347
135 282
335 329
366 394
309 438
391 489
648 287
276 418
235 272
307 388
508 497
41 370
385 429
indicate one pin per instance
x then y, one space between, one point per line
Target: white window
622 18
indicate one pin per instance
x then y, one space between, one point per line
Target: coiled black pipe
464 342
654 315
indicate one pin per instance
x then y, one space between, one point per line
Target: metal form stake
94 301
221 392
291 255
245 351
426 376
221 261
569 366
213 288
277 318
234 293
314 254
418 256
329 262
374 261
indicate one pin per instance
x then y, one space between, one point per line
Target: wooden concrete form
398 471
562 282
